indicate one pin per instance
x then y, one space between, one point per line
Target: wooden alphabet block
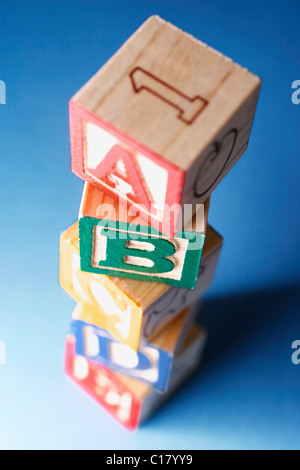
129 400
152 362
130 253
131 311
126 250
162 122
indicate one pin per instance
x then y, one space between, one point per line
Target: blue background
246 395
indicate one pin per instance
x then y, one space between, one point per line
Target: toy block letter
180 109
128 400
125 250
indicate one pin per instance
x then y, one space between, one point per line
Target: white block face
101 146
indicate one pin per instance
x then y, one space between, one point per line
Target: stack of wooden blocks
152 135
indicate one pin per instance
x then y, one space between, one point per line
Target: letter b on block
114 249
144 254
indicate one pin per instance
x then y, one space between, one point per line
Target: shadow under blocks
247 379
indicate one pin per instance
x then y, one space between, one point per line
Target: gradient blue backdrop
247 393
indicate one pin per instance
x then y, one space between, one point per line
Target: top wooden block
164 120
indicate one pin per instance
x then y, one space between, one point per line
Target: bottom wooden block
130 401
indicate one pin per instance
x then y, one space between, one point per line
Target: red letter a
118 170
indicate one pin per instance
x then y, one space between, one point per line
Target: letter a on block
124 169
118 170
123 250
